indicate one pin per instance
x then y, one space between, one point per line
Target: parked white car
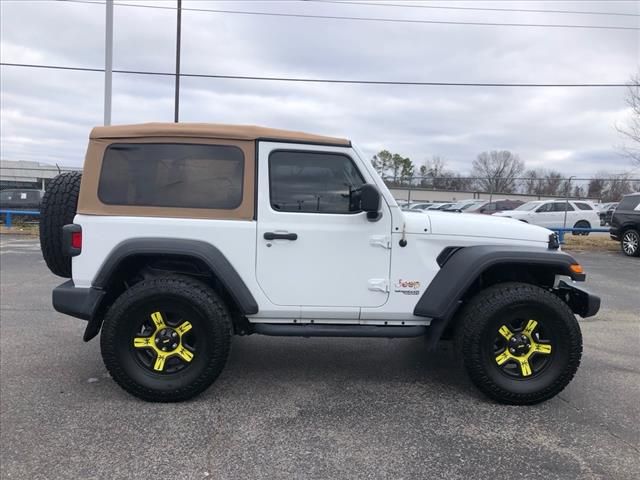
551 214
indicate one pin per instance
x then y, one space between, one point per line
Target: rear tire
555 343
59 205
630 243
141 324
582 224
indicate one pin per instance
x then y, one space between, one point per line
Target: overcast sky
46 115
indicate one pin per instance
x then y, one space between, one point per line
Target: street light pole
108 60
178 34
566 200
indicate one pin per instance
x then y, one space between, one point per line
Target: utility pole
176 113
566 200
108 60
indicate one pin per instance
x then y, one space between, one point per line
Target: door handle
280 236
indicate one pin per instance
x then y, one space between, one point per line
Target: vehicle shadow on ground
338 362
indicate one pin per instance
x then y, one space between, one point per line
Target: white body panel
341 269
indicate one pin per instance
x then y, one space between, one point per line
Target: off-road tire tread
59 205
191 289
470 324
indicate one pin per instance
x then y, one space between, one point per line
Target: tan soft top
212 130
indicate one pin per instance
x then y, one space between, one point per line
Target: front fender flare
461 269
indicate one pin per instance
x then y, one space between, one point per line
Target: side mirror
370 201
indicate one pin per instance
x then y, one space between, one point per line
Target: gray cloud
46 115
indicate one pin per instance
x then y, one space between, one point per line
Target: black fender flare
461 269
203 251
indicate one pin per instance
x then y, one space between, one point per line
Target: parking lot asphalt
311 408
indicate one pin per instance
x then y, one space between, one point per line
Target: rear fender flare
203 251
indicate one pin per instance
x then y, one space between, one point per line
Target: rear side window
583 206
629 203
562 206
313 182
172 175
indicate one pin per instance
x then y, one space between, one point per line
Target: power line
323 80
487 9
366 19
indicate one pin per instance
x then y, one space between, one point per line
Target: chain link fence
600 189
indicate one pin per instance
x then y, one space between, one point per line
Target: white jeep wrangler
178 236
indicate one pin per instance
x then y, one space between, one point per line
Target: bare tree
609 187
497 171
631 131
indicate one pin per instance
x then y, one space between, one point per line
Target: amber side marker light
576 268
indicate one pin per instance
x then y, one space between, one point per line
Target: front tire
166 339
520 343
630 243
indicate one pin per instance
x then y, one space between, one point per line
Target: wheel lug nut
164 349
174 334
174 345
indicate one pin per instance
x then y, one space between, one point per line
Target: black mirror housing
370 201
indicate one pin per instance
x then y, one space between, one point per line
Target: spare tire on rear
58 208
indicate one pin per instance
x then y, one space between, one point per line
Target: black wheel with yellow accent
166 339
520 343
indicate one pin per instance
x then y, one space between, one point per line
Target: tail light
72 239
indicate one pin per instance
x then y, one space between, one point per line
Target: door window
313 182
546 208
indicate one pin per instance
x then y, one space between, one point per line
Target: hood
473 225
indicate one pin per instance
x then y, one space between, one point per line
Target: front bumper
80 303
614 233
581 302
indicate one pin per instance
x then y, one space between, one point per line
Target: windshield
529 206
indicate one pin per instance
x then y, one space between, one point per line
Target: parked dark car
495 206
607 213
21 199
625 225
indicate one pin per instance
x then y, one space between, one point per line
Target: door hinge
379 285
380 241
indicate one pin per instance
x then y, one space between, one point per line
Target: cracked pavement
311 408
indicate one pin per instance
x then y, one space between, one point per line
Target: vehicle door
559 208
545 216
315 247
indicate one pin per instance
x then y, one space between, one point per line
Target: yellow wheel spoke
143 342
544 348
505 332
503 357
184 327
184 354
525 368
159 363
158 321
531 326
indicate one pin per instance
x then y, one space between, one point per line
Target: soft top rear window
172 175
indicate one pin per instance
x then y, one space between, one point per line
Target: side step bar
315 330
